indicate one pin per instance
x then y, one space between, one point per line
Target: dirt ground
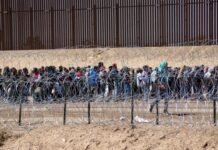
117 137
132 57
42 127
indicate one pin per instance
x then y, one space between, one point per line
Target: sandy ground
116 137
132 57
42 127
35 115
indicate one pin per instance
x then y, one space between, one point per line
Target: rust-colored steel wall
49 24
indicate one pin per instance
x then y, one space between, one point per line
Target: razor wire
188 98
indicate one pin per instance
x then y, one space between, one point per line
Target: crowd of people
162 82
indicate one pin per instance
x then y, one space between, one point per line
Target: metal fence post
65 111
132 101
157 106
20 112
214 111
89 114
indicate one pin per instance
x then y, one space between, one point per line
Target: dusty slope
84 137
133 57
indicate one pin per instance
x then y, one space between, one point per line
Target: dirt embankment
84 137
132 57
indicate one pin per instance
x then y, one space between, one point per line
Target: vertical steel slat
24 21
105 14
210 21
103 22
145 18
199 21
117 25
128 25
170 22
134 37
186 11
214 31
95 25
163 24
151 24
19 27
3 25
52 28
194 24
138 9
124 23
73 27
85 34
121 23
167 23
82 19
216 24
11 30
145 24
155 39
179 23
127 30
158 22
31 27
174 22
204 22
